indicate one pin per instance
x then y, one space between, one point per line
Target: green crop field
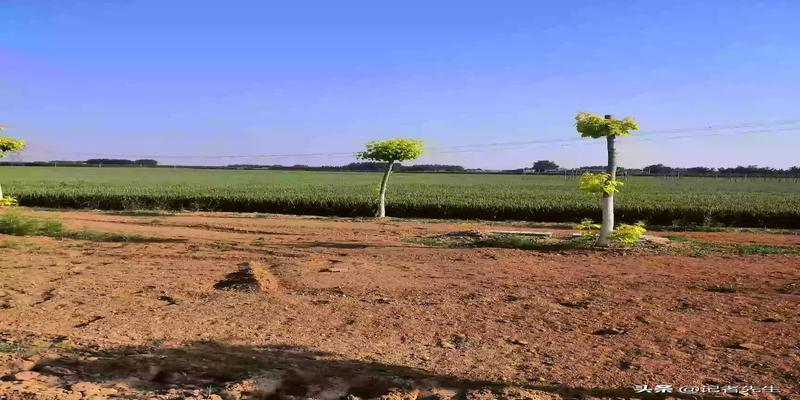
743 202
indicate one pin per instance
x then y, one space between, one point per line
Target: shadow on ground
284 372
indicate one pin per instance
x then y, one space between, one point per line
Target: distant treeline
92 162
118 161
663 170
542 167
358 166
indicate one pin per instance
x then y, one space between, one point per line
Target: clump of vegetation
509 242
21 225
8 201
12 347
462 239
699 248
588 228
627 234
9 145
142 213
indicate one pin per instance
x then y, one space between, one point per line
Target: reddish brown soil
148 318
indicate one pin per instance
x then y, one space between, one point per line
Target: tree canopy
596 126
396 149
544 165
10 145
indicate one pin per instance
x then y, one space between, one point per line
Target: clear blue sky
155 77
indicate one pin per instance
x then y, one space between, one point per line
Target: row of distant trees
366 166
539 167
119 161
92 162
547 166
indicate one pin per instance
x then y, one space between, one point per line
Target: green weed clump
700 248
21 225
627 234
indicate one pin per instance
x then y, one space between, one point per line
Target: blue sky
200 78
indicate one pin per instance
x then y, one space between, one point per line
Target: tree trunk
382 200
1 192
608 198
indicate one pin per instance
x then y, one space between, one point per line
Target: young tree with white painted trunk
8 145
595 126
390 151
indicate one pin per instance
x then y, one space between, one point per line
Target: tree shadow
288 370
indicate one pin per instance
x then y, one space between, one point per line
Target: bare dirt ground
278 306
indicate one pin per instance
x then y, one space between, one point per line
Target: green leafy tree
544 165
595 126
9 145
390 151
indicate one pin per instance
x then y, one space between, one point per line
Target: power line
500 146
634 138
638 134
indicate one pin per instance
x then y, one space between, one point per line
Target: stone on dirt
609 331
26 375
23 365
749 346
262 385
443 394
397 394
332 269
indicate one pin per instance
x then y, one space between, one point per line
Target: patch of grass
462 239
96 236
528 243
141 213
704 228
509 242
699 248
12 347
21 225
428 241
765 249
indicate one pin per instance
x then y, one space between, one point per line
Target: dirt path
325 295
